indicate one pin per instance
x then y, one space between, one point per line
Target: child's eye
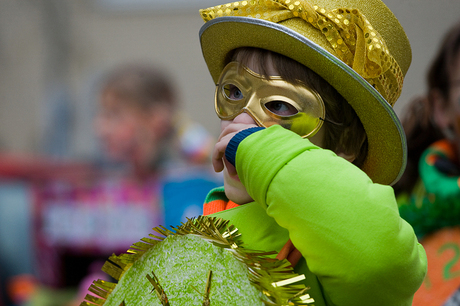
232 92
281 108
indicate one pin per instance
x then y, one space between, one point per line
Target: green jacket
357 249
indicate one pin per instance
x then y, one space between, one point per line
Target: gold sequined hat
358 46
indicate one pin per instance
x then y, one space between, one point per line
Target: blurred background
53 54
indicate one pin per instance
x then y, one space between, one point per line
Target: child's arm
347 228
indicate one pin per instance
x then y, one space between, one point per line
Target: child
309 142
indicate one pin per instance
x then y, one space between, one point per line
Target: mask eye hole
232 92
281 108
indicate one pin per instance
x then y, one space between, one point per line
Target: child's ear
348 156
440 110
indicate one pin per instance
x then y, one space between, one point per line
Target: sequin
342 27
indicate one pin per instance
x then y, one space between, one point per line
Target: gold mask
268 101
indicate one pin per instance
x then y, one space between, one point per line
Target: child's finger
235 128
217 162
224 138
219 152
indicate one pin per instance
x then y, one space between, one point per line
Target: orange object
21 288
217 205
443 277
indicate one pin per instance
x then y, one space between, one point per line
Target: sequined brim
387 152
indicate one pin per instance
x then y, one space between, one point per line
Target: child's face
234 189
128 134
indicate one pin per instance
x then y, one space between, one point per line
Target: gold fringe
263 270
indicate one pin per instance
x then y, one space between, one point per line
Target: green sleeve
347 228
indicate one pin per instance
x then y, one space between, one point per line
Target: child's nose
245 118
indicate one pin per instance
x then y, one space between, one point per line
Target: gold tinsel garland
274 278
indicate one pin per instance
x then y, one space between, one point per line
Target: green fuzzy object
428 215
170 261
201 262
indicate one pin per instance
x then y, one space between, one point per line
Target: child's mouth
231 170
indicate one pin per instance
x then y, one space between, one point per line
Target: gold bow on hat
347 30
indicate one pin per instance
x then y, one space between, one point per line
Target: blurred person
429 191
432 126
135 120
140 124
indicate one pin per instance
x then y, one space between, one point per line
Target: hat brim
387 150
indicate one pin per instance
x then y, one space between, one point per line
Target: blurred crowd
65 218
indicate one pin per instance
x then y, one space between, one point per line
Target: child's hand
229 129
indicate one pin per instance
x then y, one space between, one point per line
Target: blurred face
234 189
448 117
454 102
127 133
